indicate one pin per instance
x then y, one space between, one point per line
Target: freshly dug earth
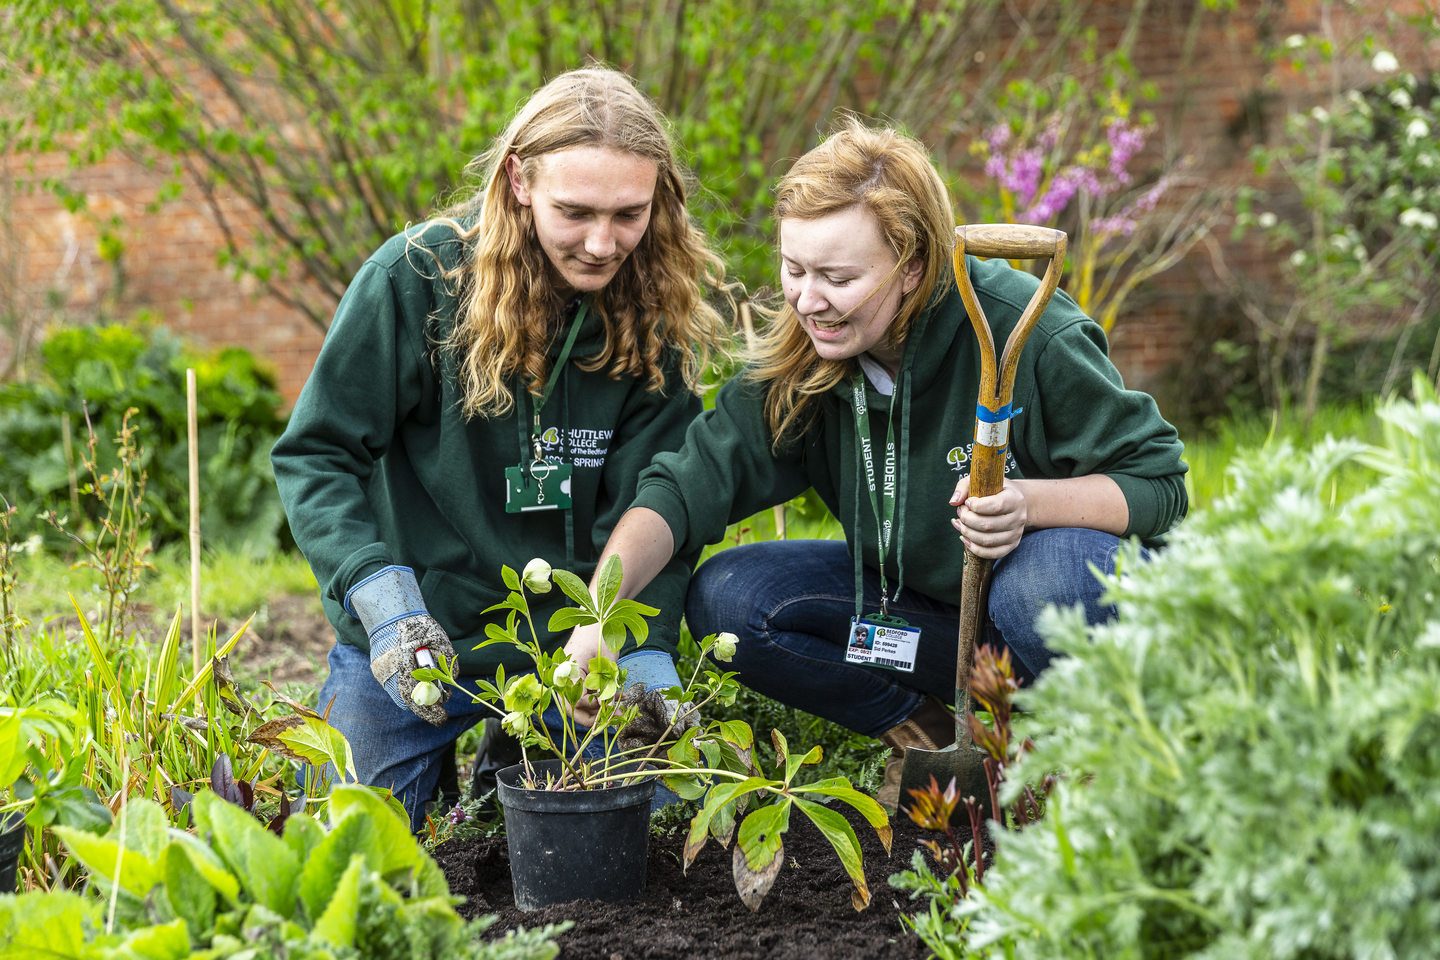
807 914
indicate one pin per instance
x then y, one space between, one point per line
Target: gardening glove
403 637
649 673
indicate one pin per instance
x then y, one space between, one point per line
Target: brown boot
930 727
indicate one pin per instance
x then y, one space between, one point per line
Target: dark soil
806 915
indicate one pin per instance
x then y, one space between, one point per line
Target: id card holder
880 641
541 485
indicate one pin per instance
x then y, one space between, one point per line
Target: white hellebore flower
1421 219
1295 41
425 694
537 576
567 671
1320 114
1384 62
1416 129
1267 220
1401 98
725 646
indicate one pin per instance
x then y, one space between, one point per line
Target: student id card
882 642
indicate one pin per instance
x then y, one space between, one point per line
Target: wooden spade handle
997 382
1013 241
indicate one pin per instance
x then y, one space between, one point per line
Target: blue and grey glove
648 674
403 637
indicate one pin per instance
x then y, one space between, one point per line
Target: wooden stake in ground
194 444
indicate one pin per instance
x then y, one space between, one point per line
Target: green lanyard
882 495
550 382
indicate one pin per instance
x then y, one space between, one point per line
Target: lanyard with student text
541 484
883 495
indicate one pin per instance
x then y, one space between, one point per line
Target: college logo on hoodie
586 447
959 460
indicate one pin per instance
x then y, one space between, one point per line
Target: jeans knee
717 598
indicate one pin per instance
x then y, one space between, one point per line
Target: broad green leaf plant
637 735
362 888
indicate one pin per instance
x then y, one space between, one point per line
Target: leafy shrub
364 888
92 376
1251 750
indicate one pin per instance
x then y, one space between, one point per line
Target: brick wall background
54 272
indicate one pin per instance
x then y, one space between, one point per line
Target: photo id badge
540 486
882 642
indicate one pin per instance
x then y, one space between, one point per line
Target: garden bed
698 914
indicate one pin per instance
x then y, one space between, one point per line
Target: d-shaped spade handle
1013 241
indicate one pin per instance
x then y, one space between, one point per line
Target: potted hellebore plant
577 821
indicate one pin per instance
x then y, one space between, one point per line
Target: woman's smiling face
845 283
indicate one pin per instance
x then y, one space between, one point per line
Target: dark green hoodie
378 465
1075 418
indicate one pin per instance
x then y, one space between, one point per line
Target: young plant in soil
638 734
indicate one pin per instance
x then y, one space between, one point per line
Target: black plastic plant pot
574 844
12 844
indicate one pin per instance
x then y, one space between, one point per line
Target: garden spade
961 760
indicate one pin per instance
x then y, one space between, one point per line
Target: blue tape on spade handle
992 427
986 415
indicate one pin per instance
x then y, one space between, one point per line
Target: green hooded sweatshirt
379 466
1073 418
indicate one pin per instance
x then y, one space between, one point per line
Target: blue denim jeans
790 603
395 749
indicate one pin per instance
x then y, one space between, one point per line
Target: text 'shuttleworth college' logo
957 458
551 436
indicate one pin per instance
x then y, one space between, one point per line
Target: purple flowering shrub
1120 233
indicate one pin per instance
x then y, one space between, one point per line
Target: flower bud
567 671
725 646
537 576
425 694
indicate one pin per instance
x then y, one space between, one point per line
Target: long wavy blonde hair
891 176
508 302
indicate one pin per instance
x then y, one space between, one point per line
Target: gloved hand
403 636
649 673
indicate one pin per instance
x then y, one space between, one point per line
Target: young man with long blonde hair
493 383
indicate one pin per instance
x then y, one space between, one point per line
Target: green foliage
361 889
90 377
1250 752
397 96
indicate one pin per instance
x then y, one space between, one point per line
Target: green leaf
337 923
266 867
306 739
511 578
166 941
302 835
841 789
128 856
721 796
36 925
574 588
190 896
12 749
352 837
397 845
760 851
607 587
568 618
209 866
842 837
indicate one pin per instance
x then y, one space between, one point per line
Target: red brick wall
169 263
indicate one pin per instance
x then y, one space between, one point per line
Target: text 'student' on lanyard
538 403
882 495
